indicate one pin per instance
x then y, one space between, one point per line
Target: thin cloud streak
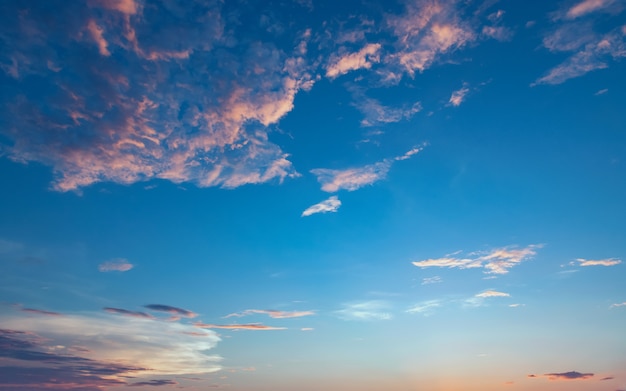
330 205
115 265
121 311
363 59
491 293
272 314
599 262
174 311
496 261
248 326
365 311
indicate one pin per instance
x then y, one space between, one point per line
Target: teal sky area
307 195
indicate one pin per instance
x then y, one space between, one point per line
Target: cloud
112 348
601 92
174 311
588 6
154 383
491 293
109 108
427 30
248 326
431 280
40 312
115 265
591 50
354 178
618 305
121 311
273 314
572 375
332 204
365 311
599 262
458 96
377 114
425 308
495 261
364 58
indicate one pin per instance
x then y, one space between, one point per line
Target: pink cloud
97 35
115 265
599 262
491 293
249 326
364 58
273 313
587 6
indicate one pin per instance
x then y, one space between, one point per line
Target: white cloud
491 293
618 305
273 314
599 262
431 280
365 311
115 265
364 58
332 204
586 7
352 178
377 114
495 261
163 348
458 96
424 308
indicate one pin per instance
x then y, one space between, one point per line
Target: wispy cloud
115 265
121 311
496 261
332 204
354 178
40 312
154 383
248 326
458 96
599 262
618 305
377 114
431 280
273 314
363 59
588 6
365 311
491 293
572 375
424 308
591 50
174 311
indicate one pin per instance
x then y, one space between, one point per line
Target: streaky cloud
174 311
616 305
248 326
458 96
588 6
154 383
116 265
599 262
363 59
365 311
491 293
495 261
272 314
330 205
121 311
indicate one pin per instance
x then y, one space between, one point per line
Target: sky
313 195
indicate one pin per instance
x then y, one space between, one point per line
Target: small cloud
40 312
586 7
458 96
491 293
425 308
363 59
499 33
273 313
115 265
354 178
121 311
607 378
307 329
495 261
174 311
572 375
599 262
154 383
365 311
601 92
516 305
332 204
431 280
248 326
616 305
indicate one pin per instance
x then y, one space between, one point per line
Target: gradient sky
313 195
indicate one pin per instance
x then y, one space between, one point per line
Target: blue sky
355 195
